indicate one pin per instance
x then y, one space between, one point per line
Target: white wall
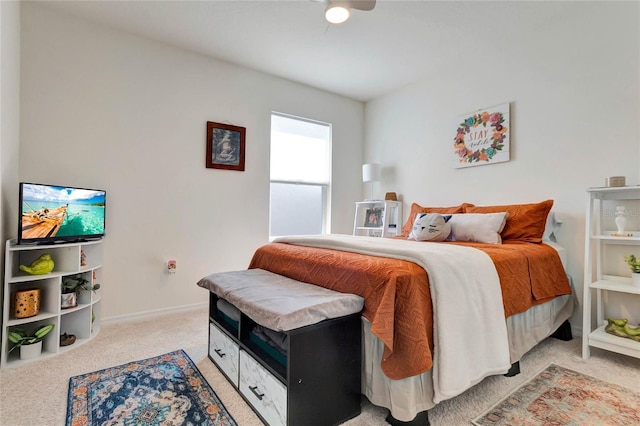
574 93
105 109
9 115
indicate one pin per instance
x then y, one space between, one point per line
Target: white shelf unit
604 271
83 320
390 223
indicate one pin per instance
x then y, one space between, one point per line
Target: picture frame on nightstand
373 218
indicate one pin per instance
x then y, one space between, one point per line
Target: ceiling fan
338 11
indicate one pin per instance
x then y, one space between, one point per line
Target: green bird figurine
40 266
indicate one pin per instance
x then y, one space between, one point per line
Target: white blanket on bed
470 332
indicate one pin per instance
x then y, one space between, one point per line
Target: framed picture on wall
225 146
482 137
373 219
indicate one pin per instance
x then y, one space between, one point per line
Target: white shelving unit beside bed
378 218
605 272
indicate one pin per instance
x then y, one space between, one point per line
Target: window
300 176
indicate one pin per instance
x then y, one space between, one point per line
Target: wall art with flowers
482 137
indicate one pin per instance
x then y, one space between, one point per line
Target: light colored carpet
36 393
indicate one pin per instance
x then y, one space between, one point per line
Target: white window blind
300 176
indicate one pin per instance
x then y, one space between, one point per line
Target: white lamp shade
371 172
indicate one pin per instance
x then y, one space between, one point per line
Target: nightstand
378 218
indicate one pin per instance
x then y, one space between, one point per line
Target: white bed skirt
407 397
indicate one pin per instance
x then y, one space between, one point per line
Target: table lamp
371 173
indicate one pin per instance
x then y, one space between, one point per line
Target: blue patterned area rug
164 390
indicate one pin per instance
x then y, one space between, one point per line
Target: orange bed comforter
396 292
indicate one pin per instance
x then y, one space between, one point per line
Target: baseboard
153 313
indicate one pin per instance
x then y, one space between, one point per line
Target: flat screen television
53 214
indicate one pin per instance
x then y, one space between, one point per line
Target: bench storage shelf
316 383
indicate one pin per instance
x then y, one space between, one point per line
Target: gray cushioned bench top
278 302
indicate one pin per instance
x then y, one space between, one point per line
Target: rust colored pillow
526 222
416 208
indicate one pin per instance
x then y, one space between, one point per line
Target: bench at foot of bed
291 349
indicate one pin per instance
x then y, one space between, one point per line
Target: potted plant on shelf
70 286
84 291
30 344
634 265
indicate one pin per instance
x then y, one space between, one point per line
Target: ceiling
372 54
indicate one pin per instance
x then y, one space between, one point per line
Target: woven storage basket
391 196
27 303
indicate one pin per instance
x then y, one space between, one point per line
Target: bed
405 327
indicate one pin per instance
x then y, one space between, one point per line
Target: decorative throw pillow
478 227
416 208
430 227
526 222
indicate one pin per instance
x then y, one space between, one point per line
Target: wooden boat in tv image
43 222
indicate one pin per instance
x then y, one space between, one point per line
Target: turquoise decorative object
42 265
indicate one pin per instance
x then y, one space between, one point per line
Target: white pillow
478 227
430 227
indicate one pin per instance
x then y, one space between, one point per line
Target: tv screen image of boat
50 213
